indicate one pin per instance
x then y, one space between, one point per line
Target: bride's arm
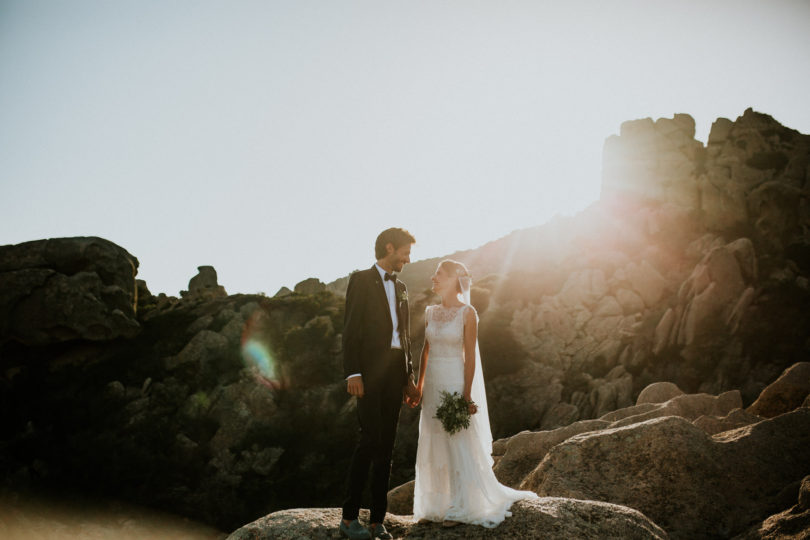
423 362
470 339
423 366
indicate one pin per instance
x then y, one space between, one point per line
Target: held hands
354 386
413 394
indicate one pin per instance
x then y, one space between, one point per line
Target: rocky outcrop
653 160
518 455
191 411
309 286
654 465
675 275
284 291
204 285
64 289
544 518
786 393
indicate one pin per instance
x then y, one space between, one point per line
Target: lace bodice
445 330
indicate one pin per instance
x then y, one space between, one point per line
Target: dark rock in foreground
792 523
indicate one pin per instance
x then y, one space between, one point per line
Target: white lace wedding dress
454 478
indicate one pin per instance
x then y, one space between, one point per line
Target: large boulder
659 392
309 286
65 289
691 484
785 393
543 518
521 453
400 499
518 455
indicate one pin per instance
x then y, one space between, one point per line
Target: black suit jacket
367 326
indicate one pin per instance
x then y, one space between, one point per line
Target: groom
377 366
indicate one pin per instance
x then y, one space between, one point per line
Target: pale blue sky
274 140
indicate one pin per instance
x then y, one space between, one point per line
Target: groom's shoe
354 531
378 531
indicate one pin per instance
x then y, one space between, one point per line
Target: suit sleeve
353 326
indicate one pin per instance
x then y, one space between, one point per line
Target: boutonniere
403 296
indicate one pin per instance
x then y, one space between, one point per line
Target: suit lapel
397 306
403 315
402 306
381 292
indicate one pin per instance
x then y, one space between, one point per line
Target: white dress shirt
391 294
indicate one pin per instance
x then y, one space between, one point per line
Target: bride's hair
455 268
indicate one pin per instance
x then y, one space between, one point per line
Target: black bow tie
392 277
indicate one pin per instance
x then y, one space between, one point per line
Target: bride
454 479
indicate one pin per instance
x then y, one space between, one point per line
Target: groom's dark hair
396 236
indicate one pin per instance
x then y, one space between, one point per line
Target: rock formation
204 285
694 268
674 309
185 403
310 286
784 394
63 289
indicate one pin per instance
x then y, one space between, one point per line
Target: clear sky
274 140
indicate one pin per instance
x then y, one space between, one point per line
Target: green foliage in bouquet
453 412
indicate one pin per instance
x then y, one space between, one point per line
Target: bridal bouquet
453 412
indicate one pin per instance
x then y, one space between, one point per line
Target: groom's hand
354 386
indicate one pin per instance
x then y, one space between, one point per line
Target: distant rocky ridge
678 297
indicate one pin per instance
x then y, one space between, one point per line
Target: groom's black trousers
378 413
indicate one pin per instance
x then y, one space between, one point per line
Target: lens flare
256 353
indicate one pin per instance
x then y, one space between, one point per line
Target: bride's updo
455 268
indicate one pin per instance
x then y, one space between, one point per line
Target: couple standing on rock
454 479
